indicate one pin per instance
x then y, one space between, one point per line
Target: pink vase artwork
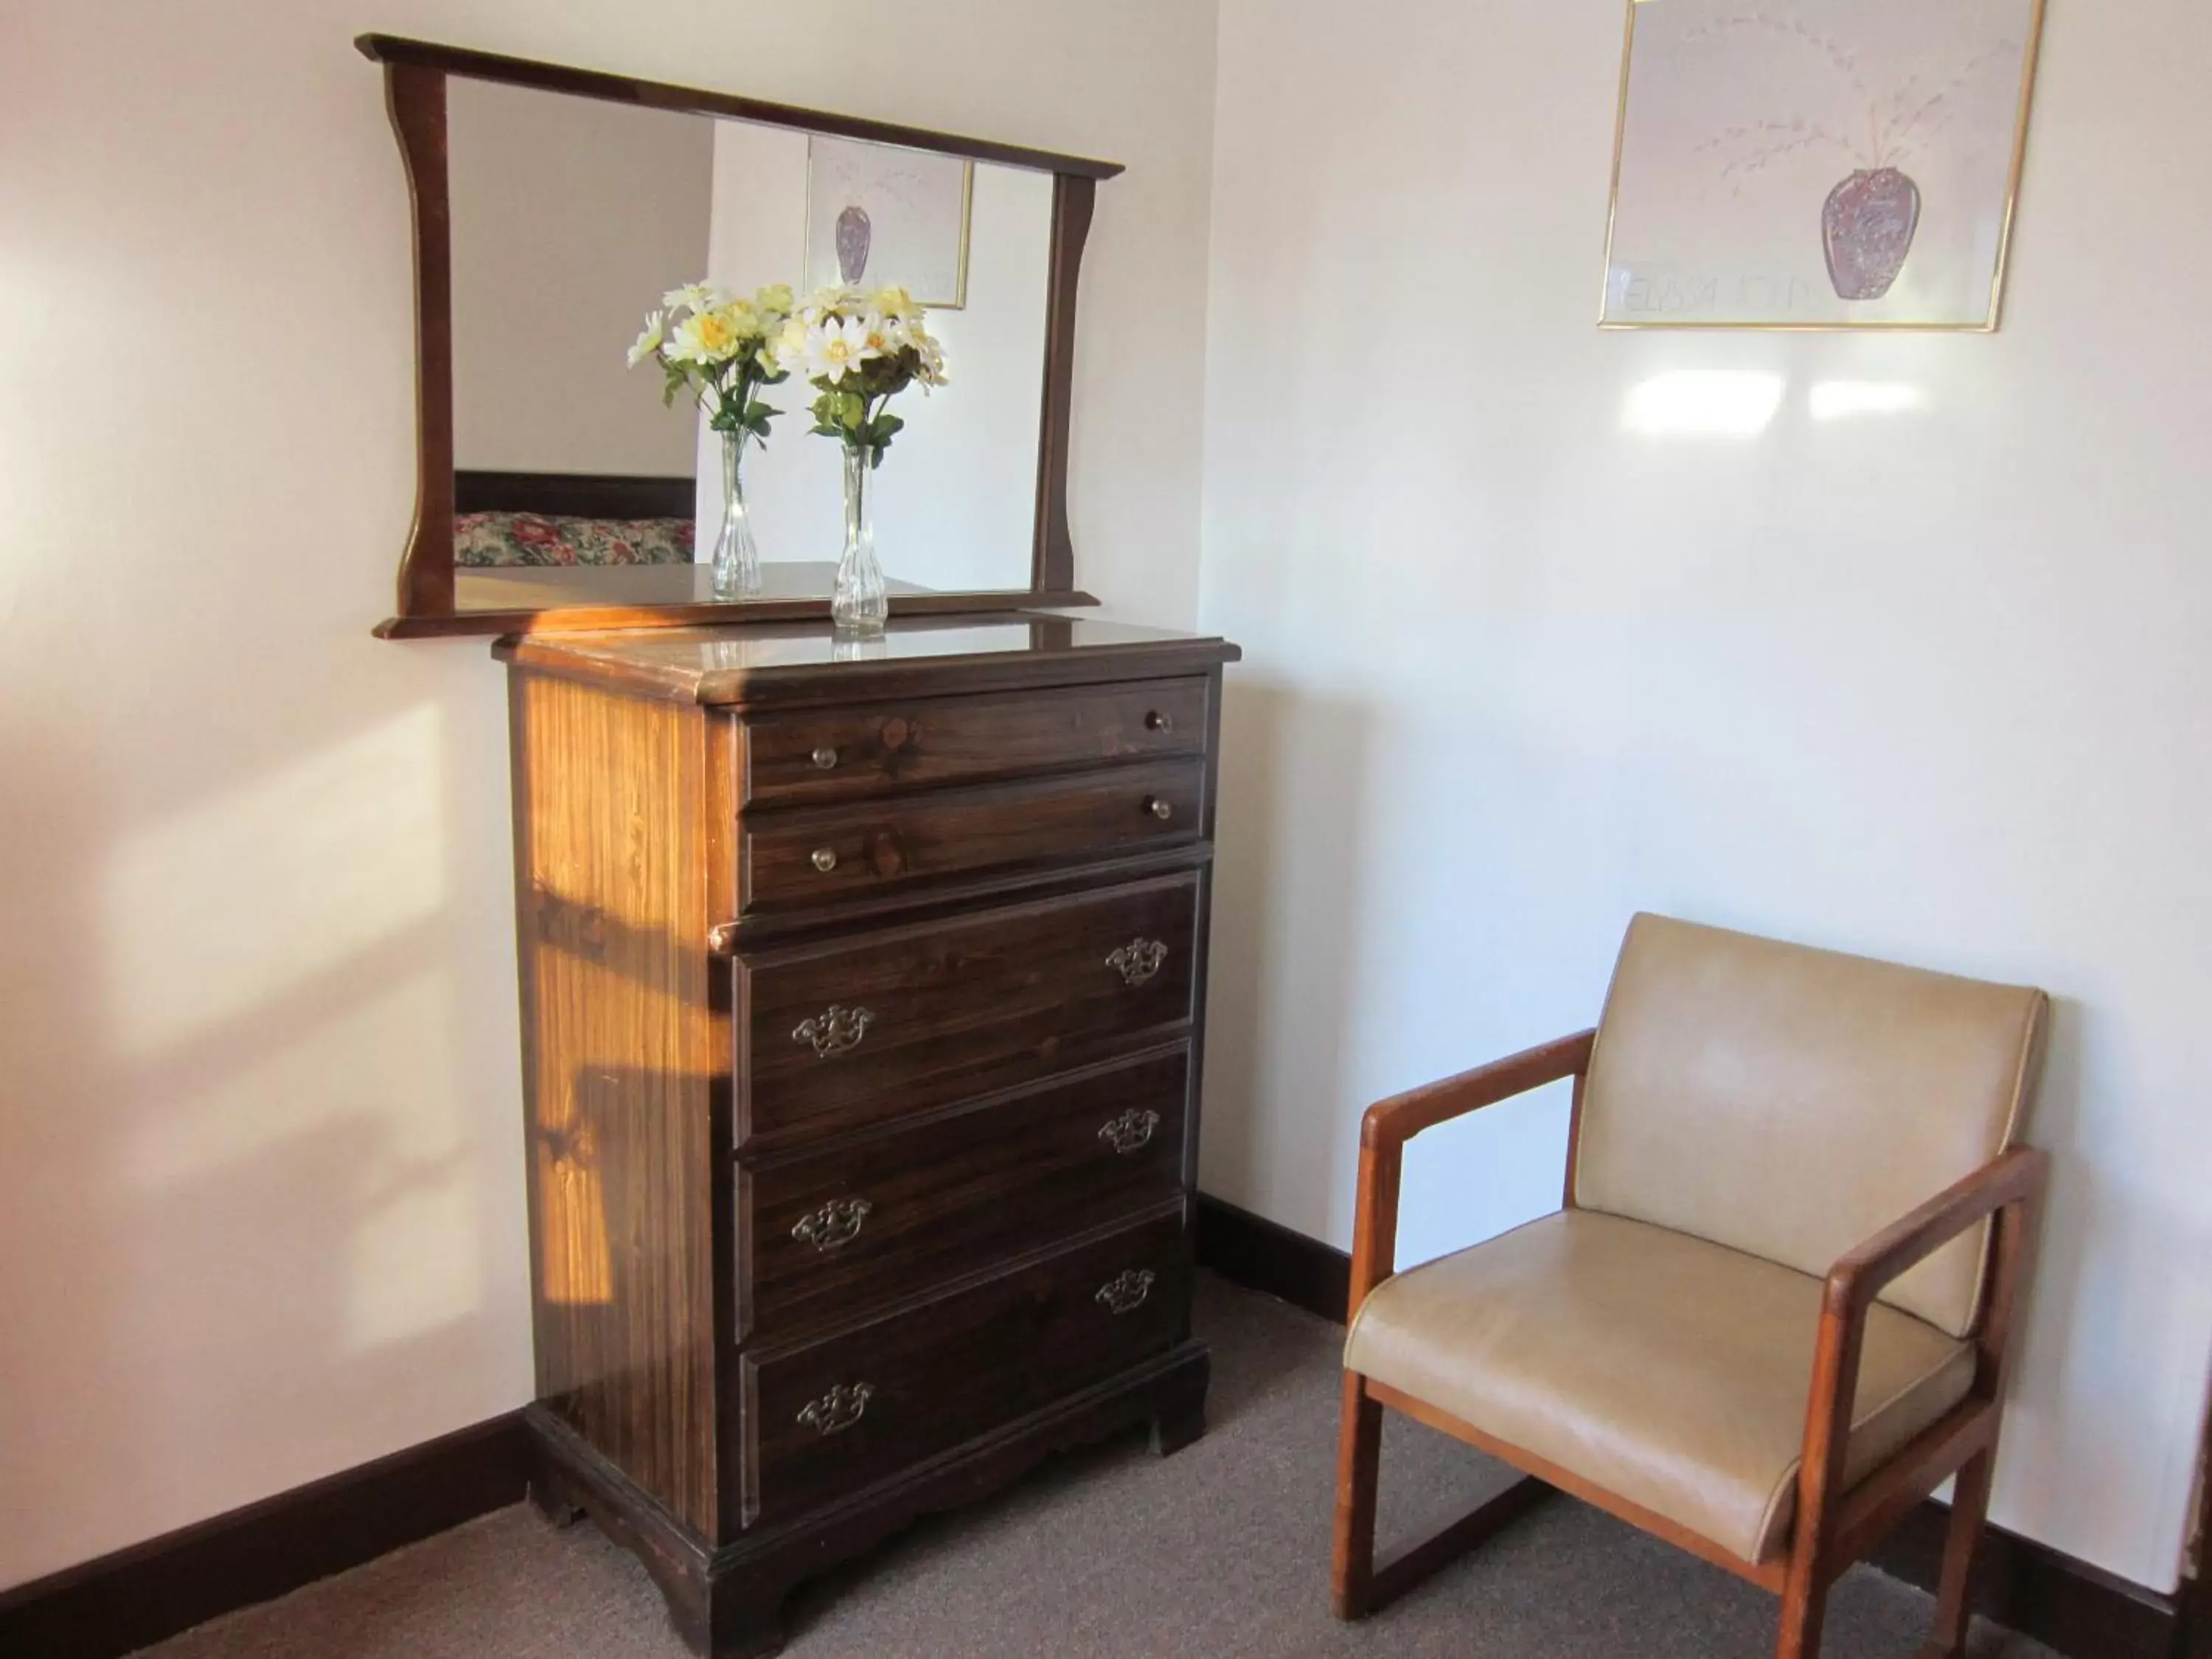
854 232
1867 228
1868 219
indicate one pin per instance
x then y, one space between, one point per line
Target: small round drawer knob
825 758
1158 721
1160 809
824 859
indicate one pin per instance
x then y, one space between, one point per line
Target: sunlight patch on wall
1842 400
236 905
418 1259
1702 403
354 1090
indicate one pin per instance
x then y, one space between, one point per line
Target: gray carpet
1222 1550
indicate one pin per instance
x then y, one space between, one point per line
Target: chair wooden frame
1834 1525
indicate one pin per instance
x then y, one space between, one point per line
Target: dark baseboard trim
142 1595
2068 1605
1262 1255
105 1608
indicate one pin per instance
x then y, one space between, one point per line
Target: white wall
1524 655
571 217
955 502
261 1212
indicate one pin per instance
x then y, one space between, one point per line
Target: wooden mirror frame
415 76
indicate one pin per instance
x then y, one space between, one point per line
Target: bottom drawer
828 1418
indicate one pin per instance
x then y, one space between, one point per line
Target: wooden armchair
1749 1118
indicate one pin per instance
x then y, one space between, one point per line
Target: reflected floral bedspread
485 540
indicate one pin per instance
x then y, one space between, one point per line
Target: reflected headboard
573 494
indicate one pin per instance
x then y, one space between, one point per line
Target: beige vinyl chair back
1789 1102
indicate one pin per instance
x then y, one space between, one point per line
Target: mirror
564 490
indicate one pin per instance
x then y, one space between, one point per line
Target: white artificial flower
648 343
692 296
838 348
885 338
930 370
837 300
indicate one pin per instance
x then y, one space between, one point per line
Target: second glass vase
859 604
737 557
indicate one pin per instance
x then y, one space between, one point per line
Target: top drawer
839 754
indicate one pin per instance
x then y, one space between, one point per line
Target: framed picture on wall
883 216
1817 163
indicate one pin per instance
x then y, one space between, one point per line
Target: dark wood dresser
862 998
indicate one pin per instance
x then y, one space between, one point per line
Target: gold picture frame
1877 247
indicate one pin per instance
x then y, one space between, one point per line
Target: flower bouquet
716 348
860 349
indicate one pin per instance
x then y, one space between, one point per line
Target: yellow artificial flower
705 336
896 304
741 319
775 299
789 345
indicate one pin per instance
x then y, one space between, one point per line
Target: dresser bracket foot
746 1617
1181 1418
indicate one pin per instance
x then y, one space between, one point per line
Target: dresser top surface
751 664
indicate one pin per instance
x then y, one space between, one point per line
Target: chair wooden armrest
1831 1533
1389 1124
1357 1583
2016 1177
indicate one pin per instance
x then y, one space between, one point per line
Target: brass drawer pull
1130 1131
837 1410
835 1223
1160 808
835 1030
824 758
1125 1292
824 859
1159 721
1138 960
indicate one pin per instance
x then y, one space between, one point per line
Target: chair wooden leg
1962 1547
1358 1467
1804 1611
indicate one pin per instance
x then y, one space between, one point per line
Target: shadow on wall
1286 925
2055 1317
247 1120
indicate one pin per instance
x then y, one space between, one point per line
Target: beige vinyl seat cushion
1662 1368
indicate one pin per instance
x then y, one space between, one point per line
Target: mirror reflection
574 220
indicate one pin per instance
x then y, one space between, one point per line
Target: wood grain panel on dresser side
842 1232
959 1008
823 855
829 1417
839 754
611 865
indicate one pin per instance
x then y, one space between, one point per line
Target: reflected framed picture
882 216
1818 164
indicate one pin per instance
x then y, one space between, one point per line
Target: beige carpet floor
1222 1550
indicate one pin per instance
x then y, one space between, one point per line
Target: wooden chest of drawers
862 995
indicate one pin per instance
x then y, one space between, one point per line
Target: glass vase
737 557
859 604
